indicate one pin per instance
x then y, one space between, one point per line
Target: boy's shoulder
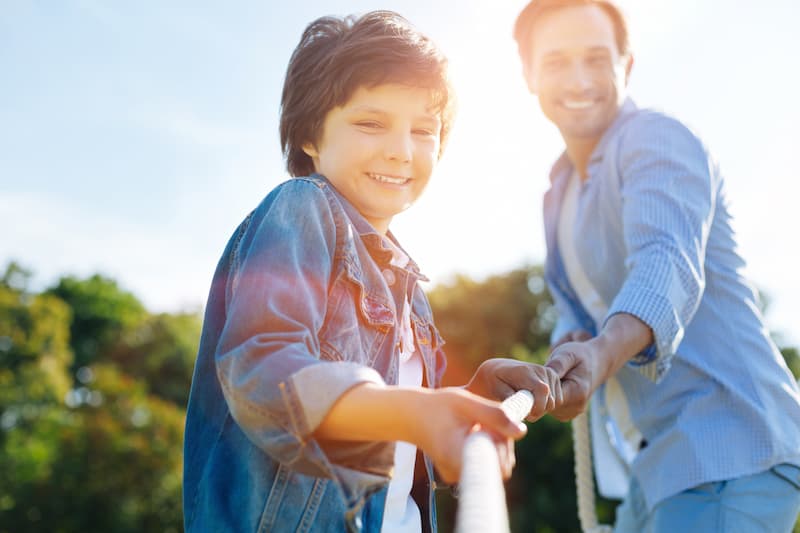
306 192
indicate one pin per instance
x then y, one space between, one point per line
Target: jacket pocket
357 323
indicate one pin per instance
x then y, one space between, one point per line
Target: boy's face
379 149
576 70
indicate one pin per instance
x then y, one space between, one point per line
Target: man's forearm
622 337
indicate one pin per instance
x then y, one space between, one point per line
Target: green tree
34 349
107 461
161 352
102 313
93 452
495 317
792 358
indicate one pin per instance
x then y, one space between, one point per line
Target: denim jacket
302 307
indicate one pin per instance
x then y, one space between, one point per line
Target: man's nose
578 78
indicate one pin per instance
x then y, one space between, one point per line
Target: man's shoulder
653 125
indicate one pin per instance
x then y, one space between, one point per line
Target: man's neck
579 151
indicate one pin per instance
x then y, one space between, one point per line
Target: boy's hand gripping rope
481 496
482 506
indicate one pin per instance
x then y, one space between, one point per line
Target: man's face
577 72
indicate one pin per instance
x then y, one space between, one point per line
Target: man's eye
553 64
598 60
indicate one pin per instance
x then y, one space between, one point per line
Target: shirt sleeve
667 206
268 357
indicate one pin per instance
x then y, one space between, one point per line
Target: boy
317 339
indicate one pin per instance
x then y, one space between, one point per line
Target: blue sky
135 136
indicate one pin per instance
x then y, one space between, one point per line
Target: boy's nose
399 147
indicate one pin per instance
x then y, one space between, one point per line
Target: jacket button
388 275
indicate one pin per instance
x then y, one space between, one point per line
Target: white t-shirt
401 513
614 444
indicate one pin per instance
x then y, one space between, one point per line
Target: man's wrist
622 337
604 357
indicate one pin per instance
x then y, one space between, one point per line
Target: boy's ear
310 150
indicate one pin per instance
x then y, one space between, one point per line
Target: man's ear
628 67
529 79
310 150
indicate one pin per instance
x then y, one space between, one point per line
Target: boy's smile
379 149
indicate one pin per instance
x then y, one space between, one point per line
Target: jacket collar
375 242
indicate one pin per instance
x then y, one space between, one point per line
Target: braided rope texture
482 498
584 481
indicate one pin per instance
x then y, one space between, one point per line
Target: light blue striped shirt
712 396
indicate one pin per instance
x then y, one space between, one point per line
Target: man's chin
582 132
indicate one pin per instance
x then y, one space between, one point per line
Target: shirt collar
563 163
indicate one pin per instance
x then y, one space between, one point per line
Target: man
654 313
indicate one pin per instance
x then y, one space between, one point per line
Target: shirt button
388 275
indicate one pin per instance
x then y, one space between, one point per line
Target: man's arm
584 366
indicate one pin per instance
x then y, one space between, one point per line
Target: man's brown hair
336 56
523 28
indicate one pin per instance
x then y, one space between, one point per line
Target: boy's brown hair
523 27
337 56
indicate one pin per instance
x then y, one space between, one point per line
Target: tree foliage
90 443
102 313
502 315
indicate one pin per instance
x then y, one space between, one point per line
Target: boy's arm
268 358
436 420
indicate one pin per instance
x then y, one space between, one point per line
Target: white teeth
388 179
582 104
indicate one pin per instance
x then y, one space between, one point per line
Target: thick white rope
584 480
482 503
482 498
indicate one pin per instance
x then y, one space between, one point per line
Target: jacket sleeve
668 199
268 357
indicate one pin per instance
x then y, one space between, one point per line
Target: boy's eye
422 131
369 124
